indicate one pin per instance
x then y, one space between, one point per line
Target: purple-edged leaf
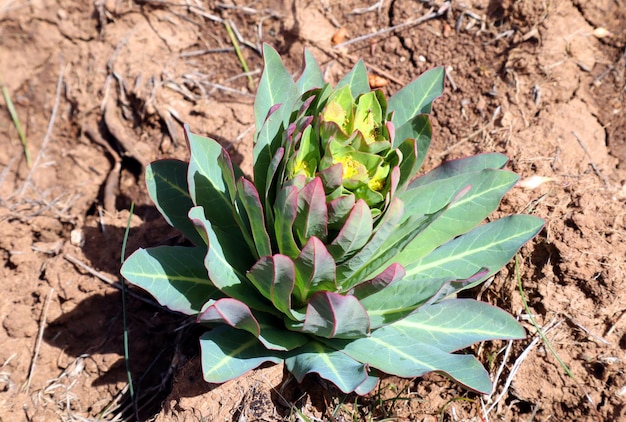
332 178
336 367
338 211
369 384
274 277
312 216
227 262
252 216
315 270
268 194
285 210
349 271
231 312
333 315
354 234
228 353
392 273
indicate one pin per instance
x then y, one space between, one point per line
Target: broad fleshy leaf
285 211
491 245
356 79
334 366
167 185
228 353
454 324
174 275
311 75
486 189
404 296
226 263
210 186
465 165
394 352
417 97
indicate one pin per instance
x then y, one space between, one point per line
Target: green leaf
314 357
275 87
267 147
333 315
369 384
413 140
228 353
231 312
174 275
227 262
276 95
491 245
210 186
465 165
416 97
403 297
274 336
311 75
487 187
354 234
274 277
285 211
454 324
356 79
251 214
168 188
312 217
394 352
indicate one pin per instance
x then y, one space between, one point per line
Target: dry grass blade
430 15
42 327
242 60
16 121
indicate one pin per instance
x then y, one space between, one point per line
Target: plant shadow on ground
95 326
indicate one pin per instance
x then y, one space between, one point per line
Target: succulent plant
336 260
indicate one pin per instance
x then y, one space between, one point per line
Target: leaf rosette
338 259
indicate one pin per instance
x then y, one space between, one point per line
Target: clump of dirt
102 89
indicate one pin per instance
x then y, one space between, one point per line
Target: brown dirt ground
101 87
